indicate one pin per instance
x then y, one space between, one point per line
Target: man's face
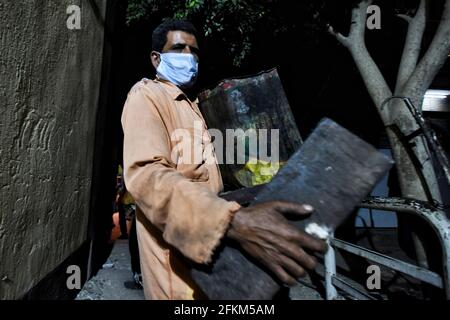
177 42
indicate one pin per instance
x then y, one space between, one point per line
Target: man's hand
265 234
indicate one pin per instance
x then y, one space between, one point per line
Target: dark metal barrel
255 102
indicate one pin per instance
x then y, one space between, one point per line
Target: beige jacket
179 215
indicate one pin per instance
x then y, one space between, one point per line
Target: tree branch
357 27
359 21
342 39
432 61
371 74
405 17
372 77
413 44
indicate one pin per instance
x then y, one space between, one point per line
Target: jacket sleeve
191 217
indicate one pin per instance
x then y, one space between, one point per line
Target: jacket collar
175 92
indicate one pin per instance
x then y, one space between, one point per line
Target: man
180 218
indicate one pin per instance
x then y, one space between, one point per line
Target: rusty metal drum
245 108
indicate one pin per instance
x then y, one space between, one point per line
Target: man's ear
156 59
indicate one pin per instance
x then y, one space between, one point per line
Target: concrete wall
49 90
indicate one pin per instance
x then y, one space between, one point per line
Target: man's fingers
301 238
309 242
282 275
300 256
271 259
292 267
292 208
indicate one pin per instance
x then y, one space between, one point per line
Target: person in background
130 207
122 193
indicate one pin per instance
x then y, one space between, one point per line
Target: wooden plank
334 171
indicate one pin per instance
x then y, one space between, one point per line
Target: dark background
318 74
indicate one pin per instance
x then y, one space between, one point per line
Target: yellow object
127 199
262 171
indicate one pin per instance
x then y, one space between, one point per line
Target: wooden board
334 171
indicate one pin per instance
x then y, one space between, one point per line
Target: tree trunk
417 181
416 174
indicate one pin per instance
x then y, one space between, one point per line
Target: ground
114 281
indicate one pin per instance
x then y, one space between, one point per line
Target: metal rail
416 272
434 217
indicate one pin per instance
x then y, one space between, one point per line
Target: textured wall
49 87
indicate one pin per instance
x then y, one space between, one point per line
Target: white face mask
179 68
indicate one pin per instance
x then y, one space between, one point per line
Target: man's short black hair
159 38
